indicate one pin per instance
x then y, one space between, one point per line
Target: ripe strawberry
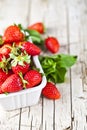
50 91
12 84
19 68
52 44
20 63
1 56
39 27
13 34
1 91
3 76
33 77
31 48
5 50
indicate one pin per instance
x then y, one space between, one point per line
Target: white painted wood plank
79 110
75 10
9 120
32 117
63 106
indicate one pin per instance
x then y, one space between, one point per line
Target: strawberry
20 63
21 68
30 48
3 76
5 50
12 84
39 27
13 34
52 44
1 91
1 56
50 91
33 77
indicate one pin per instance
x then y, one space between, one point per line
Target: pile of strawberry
16 71
16 67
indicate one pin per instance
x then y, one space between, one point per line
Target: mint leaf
66 61
35 36
56 66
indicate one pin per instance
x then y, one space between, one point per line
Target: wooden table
66 20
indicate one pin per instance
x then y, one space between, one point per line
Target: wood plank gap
68 40
45 126
42 111
29 112
54 115
20 118
31 123
86 118
29 12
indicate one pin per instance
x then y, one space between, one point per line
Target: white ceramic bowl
24 98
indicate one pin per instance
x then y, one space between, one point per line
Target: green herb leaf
35 36
55 67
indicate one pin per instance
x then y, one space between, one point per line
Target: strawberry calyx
20 59
5 64
15 49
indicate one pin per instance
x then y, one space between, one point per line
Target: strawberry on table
52 44
50 91
12 84
39 27
13 34
33 77
30 48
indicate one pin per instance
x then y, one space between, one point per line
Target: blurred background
61 16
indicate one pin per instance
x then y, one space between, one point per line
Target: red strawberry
13 34
39 27
50 91
1 56
20 63
5 50
30 48
1 91
12 84
52 44
33 77
3 76
19 68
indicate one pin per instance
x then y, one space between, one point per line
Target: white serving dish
24 98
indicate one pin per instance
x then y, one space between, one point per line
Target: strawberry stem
1 40
23 80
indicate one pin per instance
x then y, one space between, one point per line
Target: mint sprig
56 66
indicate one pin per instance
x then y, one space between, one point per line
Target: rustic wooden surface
67 20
